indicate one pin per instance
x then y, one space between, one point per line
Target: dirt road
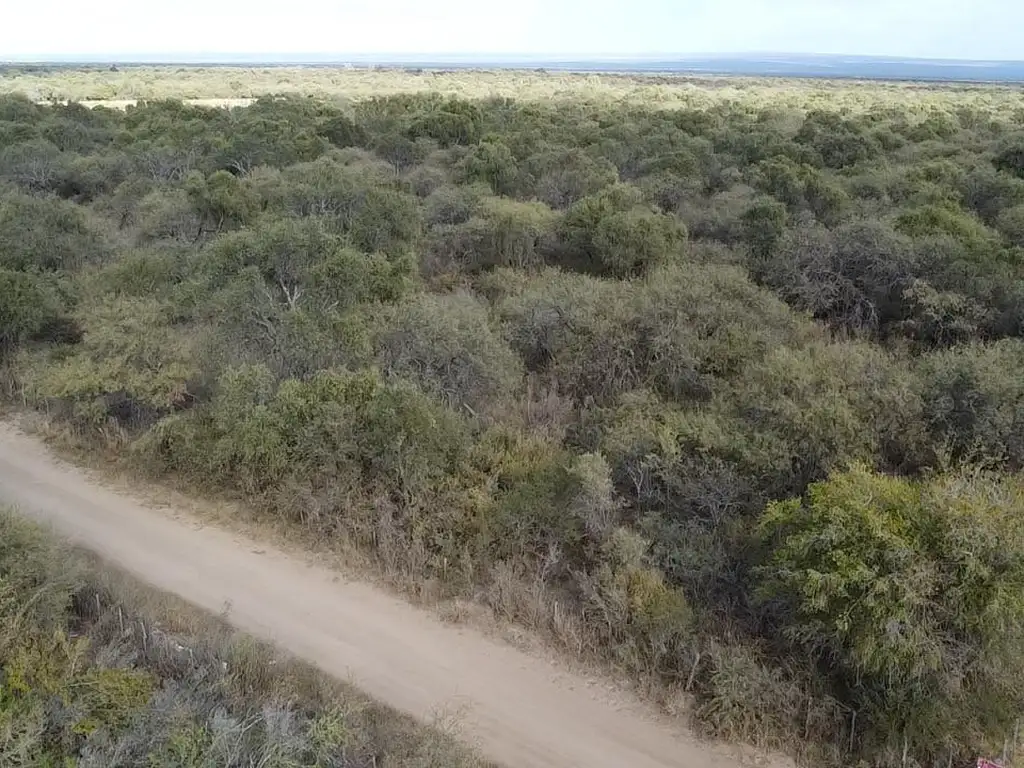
517 709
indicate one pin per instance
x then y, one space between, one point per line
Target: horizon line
257 57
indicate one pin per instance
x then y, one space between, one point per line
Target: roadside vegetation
96 670
722 389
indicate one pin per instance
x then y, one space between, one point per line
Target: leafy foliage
911 589
561 353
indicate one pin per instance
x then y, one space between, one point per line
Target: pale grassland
221 86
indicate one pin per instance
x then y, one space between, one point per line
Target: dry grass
197 657
231 86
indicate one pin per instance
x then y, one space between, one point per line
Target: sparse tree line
731 397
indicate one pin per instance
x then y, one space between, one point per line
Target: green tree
506 233
913 591
46 234
565 175
447 125
131 367
492 162
1010 223
974 401
613 233
445 344
34 166
762 226
27 306
219 200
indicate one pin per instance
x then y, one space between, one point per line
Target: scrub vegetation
718 382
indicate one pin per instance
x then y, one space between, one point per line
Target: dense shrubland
730 396
96 671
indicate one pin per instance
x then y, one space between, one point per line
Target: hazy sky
987 29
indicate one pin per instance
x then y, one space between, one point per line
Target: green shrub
131 366
909 588
973 402
612 233
445 344
46 234
680 332
256 434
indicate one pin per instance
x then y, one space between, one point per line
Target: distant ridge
753 64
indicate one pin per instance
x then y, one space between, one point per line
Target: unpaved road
517 709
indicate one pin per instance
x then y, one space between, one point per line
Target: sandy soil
515 708
125 103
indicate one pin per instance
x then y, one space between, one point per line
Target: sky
976 29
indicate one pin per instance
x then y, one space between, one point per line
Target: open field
224 85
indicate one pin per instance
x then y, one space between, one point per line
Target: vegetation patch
715 381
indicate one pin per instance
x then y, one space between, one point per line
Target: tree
388 221
446 126
131 366
27 306
452 205
974 402
762 225
343 132
950 220
613 233
399 150
839 141
565 175
492 162
912 591
162 214
677 332
285 251
445 344
35 166
1011 159
853 278
268 135
1010 223
219 201
256 326
505 233
46 234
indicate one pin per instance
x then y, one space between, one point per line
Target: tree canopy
725 389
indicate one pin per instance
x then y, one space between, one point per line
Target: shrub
907 590
257 434
46 234
445 344
131 367
613 233
973 402
28 305
678 332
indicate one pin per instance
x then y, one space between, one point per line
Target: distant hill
757 65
